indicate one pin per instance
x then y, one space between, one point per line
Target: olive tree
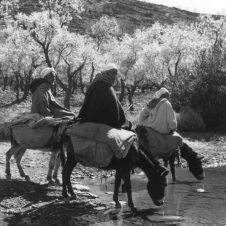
20 58
74 53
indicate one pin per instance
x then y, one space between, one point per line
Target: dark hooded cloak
101 104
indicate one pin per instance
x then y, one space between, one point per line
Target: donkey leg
118 178
64 182
172 167
12 151
66 175
127 180
18 157
70 169
51 166
56 168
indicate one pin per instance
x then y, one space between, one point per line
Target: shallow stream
187 202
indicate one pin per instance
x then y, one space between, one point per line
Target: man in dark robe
101 104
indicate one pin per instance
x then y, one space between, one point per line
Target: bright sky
199 6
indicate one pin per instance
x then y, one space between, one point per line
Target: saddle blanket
163 145
33 131
100 142
91 153
31 138
35 120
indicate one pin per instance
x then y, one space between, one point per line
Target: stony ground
36 203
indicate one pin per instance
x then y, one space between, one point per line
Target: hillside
129 13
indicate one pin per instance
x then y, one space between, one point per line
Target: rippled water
184 205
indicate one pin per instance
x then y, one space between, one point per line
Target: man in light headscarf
43 101
159 118
159 114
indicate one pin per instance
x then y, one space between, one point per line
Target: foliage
8 8
189 120
104 30
63 9
188 59
210 88
73 54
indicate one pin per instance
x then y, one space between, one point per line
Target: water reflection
185 205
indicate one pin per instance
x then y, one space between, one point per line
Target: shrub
189 120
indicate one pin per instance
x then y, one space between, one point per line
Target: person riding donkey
159 120
45 104
41 128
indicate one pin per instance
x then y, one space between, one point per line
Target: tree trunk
92 73
131 92
74 86
81 83
68 90
17 88
26 87
67 98
5 83
130 99
122 93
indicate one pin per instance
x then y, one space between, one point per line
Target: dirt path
34 203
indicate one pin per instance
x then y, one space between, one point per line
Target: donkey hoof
73 196
118 205
200 176
51 182
58 182
66 199
27 178
133 209
64 194
8 176
199 157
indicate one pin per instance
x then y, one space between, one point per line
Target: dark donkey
193 160
135 158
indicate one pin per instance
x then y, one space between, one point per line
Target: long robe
44 103
101 105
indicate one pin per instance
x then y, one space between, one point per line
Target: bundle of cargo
32 138
32 131
95 144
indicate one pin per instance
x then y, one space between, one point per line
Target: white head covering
110 66
45 72
160 92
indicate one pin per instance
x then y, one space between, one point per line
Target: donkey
135 158
194 161
18 150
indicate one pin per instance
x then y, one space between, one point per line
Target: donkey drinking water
194 162
135 158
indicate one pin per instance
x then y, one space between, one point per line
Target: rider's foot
200 157
162 171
